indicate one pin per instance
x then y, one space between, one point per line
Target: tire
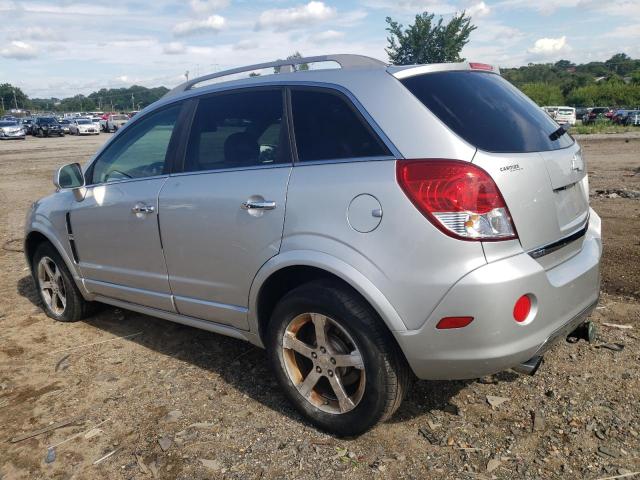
375 381
75 307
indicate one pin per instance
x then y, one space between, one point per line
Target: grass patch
602 126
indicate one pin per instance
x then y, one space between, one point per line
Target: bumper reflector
453 322
522 308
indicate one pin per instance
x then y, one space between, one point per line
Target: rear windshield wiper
555 135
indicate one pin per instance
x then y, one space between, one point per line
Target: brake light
459 198
480 66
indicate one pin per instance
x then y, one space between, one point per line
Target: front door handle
141 208
258 205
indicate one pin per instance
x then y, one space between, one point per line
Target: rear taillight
458 197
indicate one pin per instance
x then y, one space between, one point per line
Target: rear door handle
258 205
141 208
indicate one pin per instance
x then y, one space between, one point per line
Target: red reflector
453 322
522 308
480 66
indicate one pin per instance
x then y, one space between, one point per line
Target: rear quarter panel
406 258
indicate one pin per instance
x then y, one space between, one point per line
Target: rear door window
238 130
326 127
487 111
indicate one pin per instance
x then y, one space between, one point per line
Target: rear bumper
564 296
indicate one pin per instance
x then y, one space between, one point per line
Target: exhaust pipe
530 367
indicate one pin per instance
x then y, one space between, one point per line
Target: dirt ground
174 402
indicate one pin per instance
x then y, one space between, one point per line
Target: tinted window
487 111
139 151
236 130
326 127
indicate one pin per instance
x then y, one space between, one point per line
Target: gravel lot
175 402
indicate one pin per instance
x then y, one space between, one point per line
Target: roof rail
346 61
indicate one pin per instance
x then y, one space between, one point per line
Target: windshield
48 120
565 111
119 117
8 123
83 121
487 111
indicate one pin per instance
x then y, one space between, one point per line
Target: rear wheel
58 292
334 358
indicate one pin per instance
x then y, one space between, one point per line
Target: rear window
487 111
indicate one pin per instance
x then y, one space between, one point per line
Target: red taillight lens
480 66
458 197
453 322
522 308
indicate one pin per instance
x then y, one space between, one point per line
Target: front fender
341 269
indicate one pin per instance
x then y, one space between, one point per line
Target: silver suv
367 225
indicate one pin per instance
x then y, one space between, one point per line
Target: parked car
632 118
26 125
551 111
594 114
47 127
581 112
84 126
566 116
618 116
365 224
114 122
65 123
11 129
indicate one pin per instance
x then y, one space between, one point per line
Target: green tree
295 56
427 41
543 93
7 92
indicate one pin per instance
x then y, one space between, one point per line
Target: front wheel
335 360
58 292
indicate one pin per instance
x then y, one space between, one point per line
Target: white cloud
214 24
295 17
19 50
37 34
624 31
439 7
246 45
550 46
327 36
479 10
122 78
174 48
207 6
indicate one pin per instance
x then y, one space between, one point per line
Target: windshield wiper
555 135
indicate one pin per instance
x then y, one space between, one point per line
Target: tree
7 92
543 93
295 56
426 41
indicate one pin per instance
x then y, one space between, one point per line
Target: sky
65 47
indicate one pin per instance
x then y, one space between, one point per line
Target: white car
566 115
84 126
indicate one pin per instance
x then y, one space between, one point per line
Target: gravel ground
171 402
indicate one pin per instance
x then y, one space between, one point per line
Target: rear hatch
537 167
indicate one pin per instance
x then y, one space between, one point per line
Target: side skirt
184 320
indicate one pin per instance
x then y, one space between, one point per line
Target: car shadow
241 365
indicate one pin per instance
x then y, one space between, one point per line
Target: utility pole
133 104
186 75
2 98
15 101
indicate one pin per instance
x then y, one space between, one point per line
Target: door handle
141 208
258 205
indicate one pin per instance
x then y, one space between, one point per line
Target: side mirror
69 177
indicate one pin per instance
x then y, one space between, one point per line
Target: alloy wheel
51 285
324 363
